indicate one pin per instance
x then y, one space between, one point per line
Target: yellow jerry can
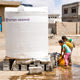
61 61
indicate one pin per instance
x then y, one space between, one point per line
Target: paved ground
59 73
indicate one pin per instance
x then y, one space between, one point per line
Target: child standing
71 41
66 50
70 45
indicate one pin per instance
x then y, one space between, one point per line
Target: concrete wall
71 17
69 10
67 28
79 9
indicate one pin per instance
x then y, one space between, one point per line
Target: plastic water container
26 32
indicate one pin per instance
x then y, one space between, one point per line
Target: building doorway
52 28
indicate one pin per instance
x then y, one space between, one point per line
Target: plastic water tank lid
21 8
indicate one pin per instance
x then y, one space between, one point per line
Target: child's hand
63 56
62 50
60 54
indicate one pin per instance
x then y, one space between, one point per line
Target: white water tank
26 32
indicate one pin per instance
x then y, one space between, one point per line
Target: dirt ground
59 73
